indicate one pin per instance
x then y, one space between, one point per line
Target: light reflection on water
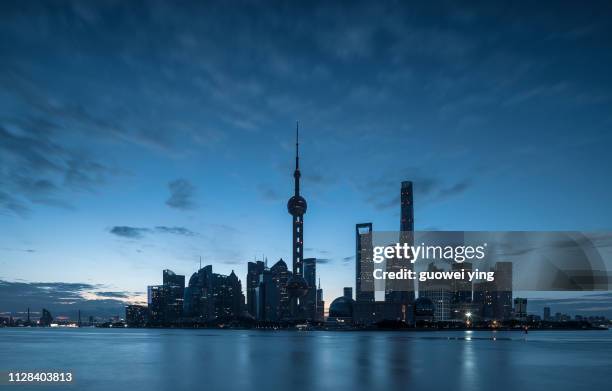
103 359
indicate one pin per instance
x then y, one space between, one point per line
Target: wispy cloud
182 194
269 193
139 232
175 231
24 250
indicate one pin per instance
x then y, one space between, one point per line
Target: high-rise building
156 303
462 292
320 304
364 265
212 296
171 278
484 299
281 276
402 291
199 304
494 298
546 313
174 292
254 271
520 308
503 290
297 286
407 207
310 300
136 315
228 300
440 293
268 297
348 292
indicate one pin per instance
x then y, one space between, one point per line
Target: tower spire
296 173
297 145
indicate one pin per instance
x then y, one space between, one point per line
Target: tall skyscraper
166 301
281 276
296 206
199 295
407 207
402 291
503 290
268 297
364 265
310 300
320 304
174 292
227 296
484 299
254 271
155 303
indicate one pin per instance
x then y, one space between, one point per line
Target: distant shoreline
412 329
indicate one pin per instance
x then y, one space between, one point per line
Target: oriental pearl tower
297 286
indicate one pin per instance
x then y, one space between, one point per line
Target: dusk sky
139 136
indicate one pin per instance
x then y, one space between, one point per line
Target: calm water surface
131 359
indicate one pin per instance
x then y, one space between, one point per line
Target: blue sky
137 136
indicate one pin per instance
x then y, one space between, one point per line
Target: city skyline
132 143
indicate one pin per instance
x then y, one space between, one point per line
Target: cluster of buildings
274 294
438 300
278 294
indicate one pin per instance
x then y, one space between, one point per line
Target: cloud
39 170
269 193
138 232
181 194
325 261
61 298
175 231
129 232
119 295
25 250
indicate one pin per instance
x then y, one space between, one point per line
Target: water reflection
245 360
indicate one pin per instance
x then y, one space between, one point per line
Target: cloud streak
128 232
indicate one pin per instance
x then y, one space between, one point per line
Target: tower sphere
297 205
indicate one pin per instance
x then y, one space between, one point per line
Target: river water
158 359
